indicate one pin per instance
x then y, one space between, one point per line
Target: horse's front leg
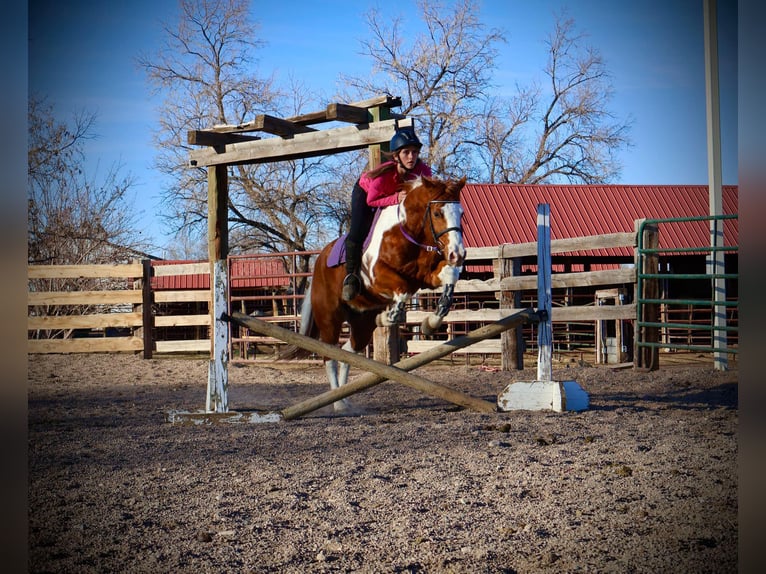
396 313
447 276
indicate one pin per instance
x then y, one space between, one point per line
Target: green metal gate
673 311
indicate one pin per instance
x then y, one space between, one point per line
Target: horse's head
433 213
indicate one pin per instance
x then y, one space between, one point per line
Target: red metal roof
507 213
179 282
257 273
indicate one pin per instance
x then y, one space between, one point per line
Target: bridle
437 246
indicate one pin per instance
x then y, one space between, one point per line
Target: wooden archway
372 125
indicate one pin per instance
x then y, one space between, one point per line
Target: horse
415 244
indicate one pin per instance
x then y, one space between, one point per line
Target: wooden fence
507 284
132 306
112 310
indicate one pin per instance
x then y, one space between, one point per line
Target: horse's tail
308 329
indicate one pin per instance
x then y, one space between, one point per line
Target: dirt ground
644 480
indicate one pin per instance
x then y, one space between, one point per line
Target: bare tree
442 75
564 132
74 218
205 71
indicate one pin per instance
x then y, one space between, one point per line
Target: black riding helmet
403 138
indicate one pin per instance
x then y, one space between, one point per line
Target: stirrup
351 286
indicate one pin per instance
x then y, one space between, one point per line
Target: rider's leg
352 283
360 223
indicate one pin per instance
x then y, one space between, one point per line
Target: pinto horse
415 244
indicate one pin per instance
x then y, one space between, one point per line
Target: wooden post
511 341
218 250
147 316
385 340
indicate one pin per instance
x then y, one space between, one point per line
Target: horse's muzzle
456 257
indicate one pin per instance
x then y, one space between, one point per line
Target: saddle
337 255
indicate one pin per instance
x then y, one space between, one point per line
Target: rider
378 188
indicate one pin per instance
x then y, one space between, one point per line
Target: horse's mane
439 188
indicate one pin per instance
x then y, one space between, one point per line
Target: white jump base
543 395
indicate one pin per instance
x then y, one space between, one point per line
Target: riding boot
352 283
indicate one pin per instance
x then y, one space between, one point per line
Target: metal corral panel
506 213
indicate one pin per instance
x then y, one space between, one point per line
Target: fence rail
127 315
95 320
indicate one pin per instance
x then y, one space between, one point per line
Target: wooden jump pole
379 372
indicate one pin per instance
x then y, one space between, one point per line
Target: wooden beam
201 137
346 113
280 127
85 345
187 296
133 270
379 101
94 321
190 346
579 279
355 113
567 245
263 123
117 297
326 115
182 320
174 269
324 142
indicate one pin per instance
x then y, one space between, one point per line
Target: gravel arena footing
644 480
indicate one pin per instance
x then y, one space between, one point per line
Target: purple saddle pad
337 254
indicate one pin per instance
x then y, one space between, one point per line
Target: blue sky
82 56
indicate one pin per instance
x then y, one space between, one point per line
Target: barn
505 213
496 214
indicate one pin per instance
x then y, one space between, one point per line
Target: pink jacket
381 191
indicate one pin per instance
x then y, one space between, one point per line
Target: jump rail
378 372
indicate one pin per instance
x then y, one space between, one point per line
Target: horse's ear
457 186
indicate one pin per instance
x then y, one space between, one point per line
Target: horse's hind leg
337 374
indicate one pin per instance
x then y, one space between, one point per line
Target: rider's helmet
403 138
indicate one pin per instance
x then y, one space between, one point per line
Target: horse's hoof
342 406
429 325
345 408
